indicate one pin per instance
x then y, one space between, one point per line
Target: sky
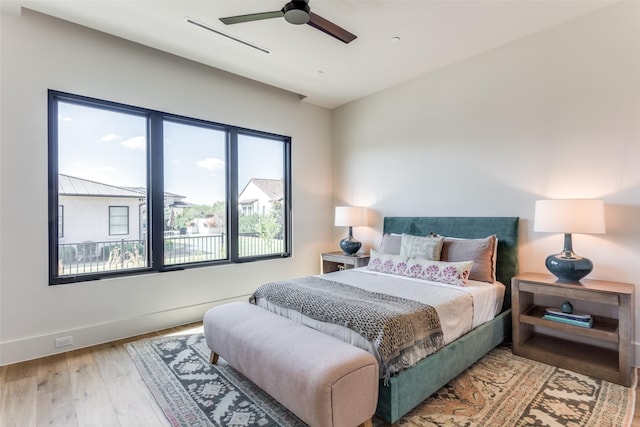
110 147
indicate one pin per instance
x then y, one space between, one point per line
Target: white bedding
460 309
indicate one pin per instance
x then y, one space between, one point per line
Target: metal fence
184 249
93 257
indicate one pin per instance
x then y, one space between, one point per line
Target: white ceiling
308 62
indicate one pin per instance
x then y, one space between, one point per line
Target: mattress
460 309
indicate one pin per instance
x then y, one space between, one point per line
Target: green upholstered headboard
505 228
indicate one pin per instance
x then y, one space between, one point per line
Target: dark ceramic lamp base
567 266
349 245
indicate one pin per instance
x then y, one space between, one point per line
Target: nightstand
336 261
602 351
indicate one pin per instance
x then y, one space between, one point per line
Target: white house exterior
258 196
116 213
92 211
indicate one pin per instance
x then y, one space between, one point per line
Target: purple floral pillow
452 273
384 263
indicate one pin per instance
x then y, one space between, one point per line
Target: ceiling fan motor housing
296 12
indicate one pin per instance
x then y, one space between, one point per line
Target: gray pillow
481 251
390 244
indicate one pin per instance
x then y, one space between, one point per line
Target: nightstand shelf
578 357
603 328
605 350
336 261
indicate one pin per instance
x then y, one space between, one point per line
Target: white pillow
386 263
452 273
421 247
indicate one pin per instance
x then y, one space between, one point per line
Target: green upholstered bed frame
406 390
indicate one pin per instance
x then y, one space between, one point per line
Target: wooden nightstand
607 355
335 261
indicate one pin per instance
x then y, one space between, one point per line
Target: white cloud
135 143
211 163
64 118
110 137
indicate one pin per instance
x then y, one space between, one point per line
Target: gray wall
553 115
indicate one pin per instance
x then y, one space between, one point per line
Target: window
261 177
180 192
195 171
118 220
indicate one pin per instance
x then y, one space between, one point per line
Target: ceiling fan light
296 12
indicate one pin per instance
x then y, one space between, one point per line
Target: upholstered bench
322 380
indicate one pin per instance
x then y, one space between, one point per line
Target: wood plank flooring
96 386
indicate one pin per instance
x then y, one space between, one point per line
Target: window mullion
155 192
232 197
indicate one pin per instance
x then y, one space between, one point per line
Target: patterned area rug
506 390
499 390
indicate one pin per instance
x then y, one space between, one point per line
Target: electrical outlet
64 341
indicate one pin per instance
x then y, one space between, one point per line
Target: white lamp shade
350 216
569 216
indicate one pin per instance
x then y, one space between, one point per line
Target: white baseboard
86 336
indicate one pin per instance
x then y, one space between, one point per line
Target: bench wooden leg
368 423
213 358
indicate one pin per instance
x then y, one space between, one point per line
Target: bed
453 345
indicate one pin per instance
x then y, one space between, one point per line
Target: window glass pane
195 209
261 196
101 163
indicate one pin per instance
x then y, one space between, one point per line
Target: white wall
40 53
553 115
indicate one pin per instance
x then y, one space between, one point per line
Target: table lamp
569 216
350 216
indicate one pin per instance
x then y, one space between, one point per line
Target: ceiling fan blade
252 17
328 27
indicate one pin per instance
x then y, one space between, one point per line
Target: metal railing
93 257
185 249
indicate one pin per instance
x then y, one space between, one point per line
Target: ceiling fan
296 12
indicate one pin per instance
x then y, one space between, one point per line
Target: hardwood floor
96 386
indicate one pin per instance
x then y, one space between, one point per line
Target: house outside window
118 220
179 205
60 221
247 209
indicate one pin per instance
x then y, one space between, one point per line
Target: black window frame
155 188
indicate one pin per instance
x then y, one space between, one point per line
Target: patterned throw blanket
402 331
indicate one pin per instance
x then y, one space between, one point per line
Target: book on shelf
573 316
584 323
